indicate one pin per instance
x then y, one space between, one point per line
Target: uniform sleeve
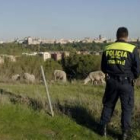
103 63
136 64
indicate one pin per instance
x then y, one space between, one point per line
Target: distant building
1 42
110 40
45 55
65 54
132 40
33 41
47 41
30 54
37 41
87 40
56 56
62 41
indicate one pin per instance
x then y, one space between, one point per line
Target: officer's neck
121 40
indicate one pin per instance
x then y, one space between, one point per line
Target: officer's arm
103 63
136 64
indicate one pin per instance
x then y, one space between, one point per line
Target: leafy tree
79 66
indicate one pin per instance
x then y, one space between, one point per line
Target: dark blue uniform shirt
121 59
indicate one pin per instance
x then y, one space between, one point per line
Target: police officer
121 64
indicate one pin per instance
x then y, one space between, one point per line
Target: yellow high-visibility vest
121 46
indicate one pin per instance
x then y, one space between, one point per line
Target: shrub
28 64
79 66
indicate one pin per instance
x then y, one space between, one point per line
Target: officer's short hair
122 32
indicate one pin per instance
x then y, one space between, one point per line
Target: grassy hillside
24 113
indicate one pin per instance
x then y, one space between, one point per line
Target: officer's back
121 64
121 59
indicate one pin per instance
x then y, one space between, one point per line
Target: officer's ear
126 39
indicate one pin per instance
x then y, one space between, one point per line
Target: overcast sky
68 18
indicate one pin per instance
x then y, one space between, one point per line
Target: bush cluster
28 64
76 66
79 66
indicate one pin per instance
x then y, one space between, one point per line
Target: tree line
76 66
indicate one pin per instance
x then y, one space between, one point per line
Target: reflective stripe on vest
120 46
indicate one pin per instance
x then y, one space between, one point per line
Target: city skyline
67 19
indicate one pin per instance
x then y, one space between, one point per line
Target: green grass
20 123
77 112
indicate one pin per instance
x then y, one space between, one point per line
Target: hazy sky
68 18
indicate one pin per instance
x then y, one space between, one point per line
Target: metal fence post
47 91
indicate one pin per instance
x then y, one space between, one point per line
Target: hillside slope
24 113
